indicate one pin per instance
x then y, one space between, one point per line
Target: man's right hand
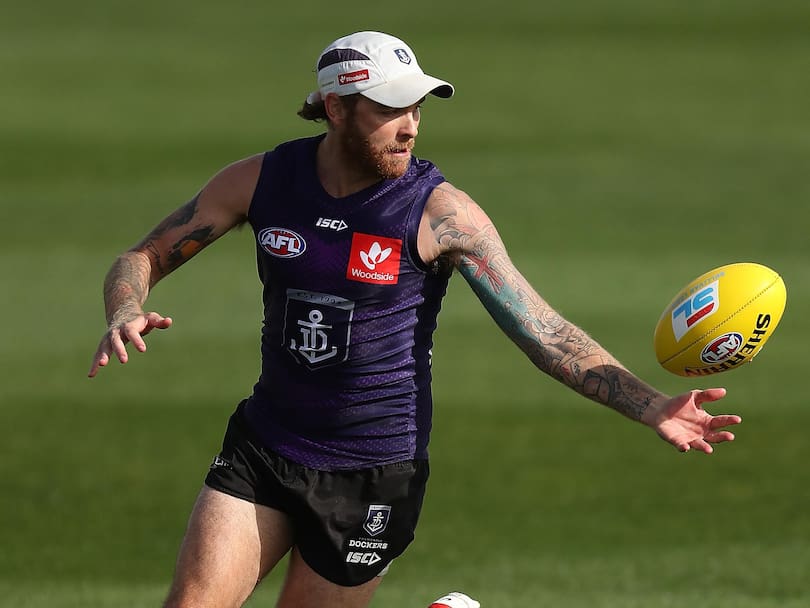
117 336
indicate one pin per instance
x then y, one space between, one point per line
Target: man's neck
340 176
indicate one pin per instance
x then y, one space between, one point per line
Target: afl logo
722 348
282 243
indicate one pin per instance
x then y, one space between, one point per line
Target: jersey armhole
412 229
262 184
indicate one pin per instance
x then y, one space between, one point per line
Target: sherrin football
720 320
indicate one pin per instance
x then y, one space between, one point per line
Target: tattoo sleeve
171 243
126 287
552 343
187 238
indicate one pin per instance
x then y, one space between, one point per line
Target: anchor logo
317 327
315 341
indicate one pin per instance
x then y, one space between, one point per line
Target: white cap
378 66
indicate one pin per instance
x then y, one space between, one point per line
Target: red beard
376 161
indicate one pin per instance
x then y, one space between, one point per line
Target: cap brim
407 90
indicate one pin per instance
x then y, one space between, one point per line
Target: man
356 240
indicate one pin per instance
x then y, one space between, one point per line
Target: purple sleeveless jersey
349 313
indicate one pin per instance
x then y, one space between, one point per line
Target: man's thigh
348 525
230 544
305 588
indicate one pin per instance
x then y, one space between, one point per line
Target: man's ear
334 107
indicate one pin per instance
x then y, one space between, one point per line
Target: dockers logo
695 308
282 243
374 259
221 463
402 55
352 77
377 519
317 327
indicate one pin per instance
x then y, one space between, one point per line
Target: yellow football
720 320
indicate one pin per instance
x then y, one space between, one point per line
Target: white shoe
455 600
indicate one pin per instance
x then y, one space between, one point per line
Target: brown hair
317 112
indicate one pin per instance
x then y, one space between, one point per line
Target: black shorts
348 525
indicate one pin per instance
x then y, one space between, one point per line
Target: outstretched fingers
719 436
714 432
115 340
723 420
118 341
134 336
701 445
708 395
684 423
100 359
156 321
134 331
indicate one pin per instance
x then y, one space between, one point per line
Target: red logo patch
350 77
374 259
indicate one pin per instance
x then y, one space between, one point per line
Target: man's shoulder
289 154
298 145
445 199
444 191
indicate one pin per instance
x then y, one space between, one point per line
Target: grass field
621 147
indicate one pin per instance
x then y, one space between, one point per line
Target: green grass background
621 147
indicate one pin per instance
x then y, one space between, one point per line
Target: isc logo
336 225
355 557
700 305
282 243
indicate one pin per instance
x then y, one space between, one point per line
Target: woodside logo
351 77
374 259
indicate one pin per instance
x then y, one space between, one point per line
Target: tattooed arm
454 225
221 205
